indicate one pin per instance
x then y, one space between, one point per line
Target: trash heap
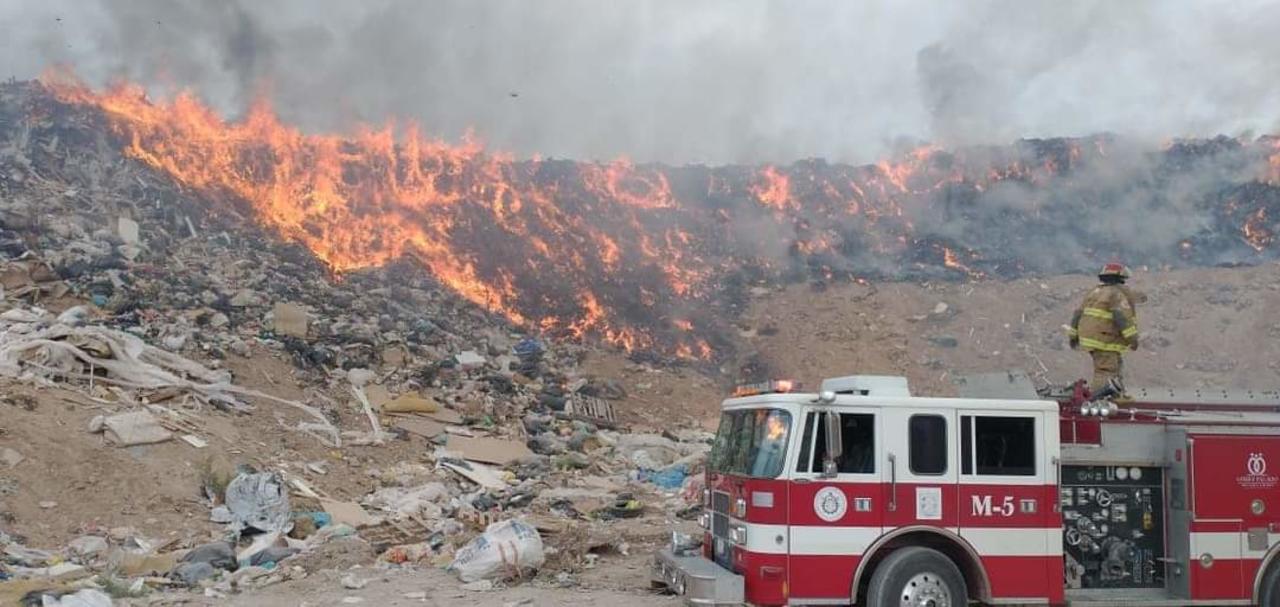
488 450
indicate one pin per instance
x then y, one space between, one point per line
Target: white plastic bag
505 550
259 501
88 597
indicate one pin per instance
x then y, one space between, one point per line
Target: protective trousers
1106 365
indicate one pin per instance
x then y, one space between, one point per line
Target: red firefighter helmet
1114 268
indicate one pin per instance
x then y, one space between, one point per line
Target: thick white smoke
717 81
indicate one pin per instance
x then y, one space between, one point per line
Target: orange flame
1273 162
622 182
1255 230
951 260
365 200
774 189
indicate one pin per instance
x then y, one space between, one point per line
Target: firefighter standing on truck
1106 324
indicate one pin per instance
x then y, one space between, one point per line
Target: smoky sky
714 81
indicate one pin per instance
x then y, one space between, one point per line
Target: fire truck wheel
917 577
1269 592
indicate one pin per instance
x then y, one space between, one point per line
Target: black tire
1269 591
914 576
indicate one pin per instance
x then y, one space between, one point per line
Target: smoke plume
718 81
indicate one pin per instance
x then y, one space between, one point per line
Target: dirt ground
617 581
660 398
1202 328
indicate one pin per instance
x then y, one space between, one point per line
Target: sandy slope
1201 328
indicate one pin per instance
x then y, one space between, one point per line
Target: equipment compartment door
1235 502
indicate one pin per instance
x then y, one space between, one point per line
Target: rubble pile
135 299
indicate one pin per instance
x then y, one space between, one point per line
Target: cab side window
993 445
858 433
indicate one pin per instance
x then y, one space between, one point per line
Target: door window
857 432
928 448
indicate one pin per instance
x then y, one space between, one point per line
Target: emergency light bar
773 386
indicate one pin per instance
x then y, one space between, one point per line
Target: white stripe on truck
842 541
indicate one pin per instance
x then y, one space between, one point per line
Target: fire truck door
1007 493
833 519
919 468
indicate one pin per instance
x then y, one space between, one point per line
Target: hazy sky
712 81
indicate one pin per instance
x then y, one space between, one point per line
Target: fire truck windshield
751 442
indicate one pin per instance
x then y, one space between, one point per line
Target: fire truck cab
863 494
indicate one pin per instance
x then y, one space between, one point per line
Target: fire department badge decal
1256 476
830 504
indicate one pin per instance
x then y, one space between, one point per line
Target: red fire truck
864 494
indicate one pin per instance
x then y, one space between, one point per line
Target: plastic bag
259 501
505 550
670 478
88 597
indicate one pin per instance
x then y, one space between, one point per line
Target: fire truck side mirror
835 445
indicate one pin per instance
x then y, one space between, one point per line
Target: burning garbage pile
135 305
655 258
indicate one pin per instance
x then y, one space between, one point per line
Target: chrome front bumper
699 580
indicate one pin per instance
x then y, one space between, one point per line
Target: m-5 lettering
983 506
